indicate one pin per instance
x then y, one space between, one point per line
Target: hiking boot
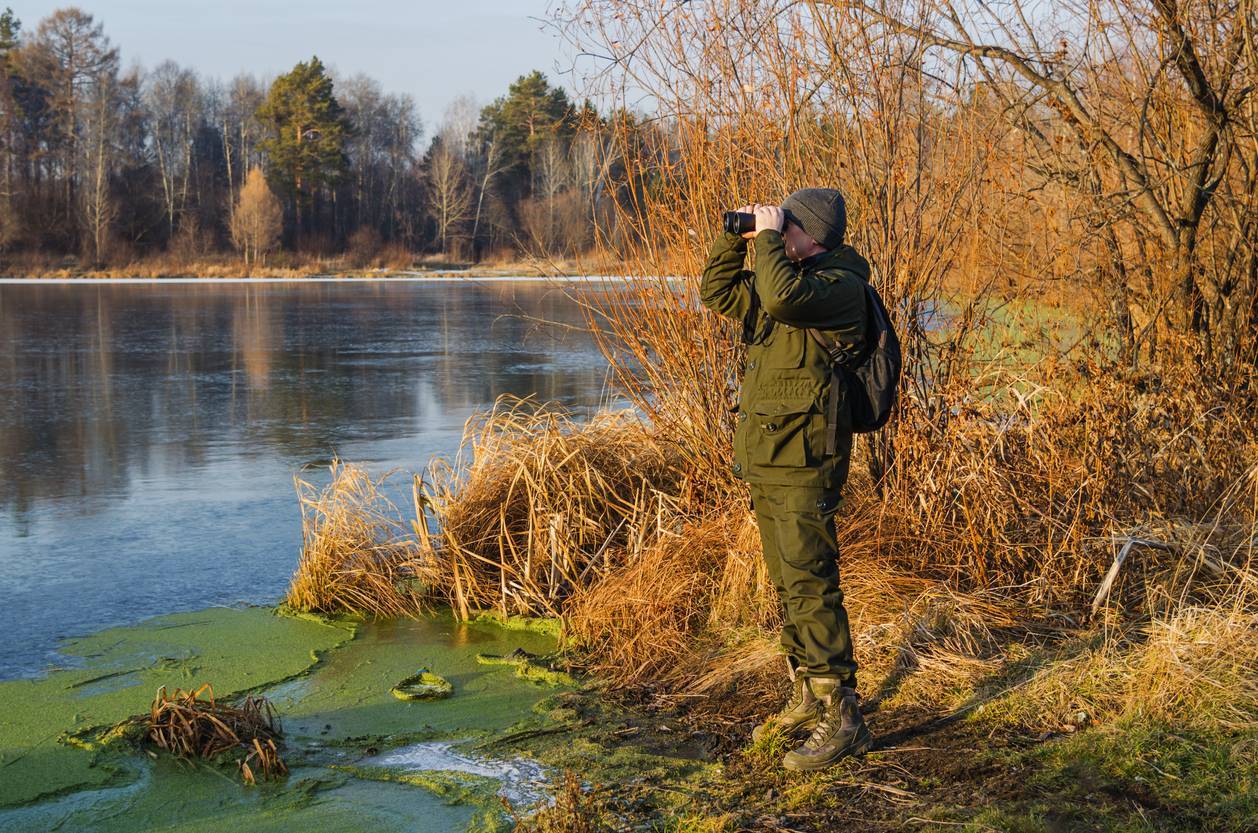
840 732
799 716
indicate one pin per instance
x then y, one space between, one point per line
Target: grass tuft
540 505
355 555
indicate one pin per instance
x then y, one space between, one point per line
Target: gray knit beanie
821 213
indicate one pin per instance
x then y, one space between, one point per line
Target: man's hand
769 217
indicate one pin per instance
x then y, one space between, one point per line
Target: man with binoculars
807 288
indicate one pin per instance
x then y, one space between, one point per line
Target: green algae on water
533 624
329 679
235 649
530 667
175 798
346 700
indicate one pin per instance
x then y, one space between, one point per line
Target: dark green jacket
780 437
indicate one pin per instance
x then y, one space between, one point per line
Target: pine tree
10 32
309 131
530 115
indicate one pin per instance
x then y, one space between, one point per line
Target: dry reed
355 556
194 725
980 523
676 599
539 505
982 520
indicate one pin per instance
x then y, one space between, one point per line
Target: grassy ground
644 767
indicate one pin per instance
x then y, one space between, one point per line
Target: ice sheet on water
523 780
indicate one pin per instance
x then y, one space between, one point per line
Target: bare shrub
364 246
190 241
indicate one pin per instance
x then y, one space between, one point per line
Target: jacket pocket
781 431
785 348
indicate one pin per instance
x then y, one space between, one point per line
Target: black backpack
872 373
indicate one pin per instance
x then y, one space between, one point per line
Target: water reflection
149 433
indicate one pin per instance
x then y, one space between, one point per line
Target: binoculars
736 222
739 222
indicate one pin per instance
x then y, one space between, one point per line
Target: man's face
797 243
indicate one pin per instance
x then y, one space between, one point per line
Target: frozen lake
150 431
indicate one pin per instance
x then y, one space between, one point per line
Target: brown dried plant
539 505
576 810
355 555
1019 454
194 725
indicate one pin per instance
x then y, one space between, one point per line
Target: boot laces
829 723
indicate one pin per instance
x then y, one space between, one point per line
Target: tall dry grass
356 556
981 523
538 506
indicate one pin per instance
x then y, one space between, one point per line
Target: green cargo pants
801 554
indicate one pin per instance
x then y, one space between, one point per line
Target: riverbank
611 759
517 737
1122 699
295 267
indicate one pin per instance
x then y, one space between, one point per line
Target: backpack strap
840 357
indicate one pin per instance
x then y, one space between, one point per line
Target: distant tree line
108 165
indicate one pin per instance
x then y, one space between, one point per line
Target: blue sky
433 49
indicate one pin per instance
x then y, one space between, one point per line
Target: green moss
1156 774
534 624
702 823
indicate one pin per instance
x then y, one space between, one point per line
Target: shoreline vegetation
1134 696
297 268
